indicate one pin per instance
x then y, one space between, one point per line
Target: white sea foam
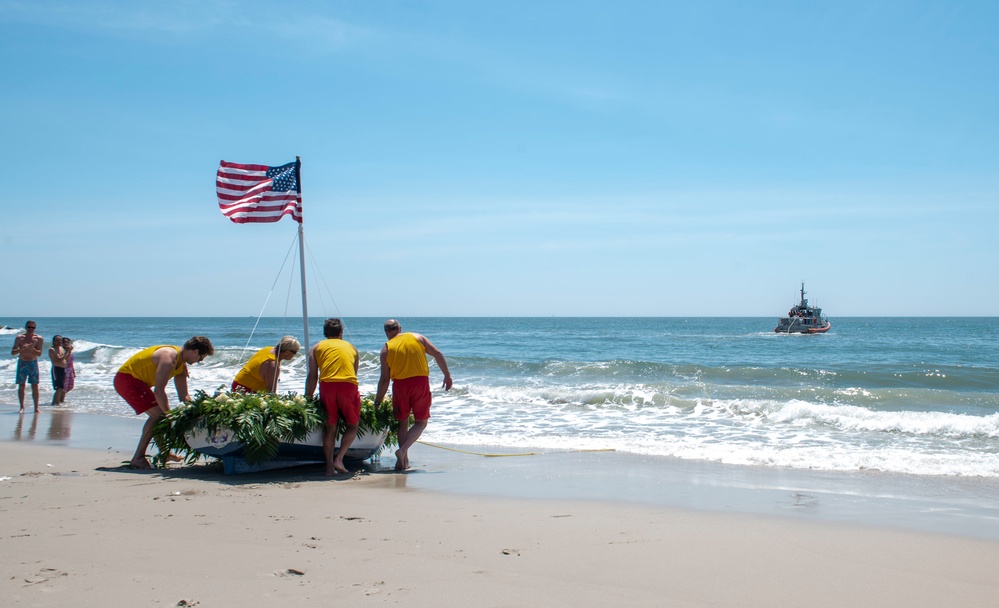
795 433
745 398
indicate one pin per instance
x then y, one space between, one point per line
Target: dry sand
77 534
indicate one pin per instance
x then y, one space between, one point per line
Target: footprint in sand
44 575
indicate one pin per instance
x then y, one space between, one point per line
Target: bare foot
20 411
174 458
339 468
329 471
400 461
140 463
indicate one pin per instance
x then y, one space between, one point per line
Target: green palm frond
262 422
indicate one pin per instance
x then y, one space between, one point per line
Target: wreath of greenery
261 421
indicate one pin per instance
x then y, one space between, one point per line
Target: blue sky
493 159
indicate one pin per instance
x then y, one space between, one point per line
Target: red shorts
340 398
237 388
411 395
135 392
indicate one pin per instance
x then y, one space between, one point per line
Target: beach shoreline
734 393
960 506
80 529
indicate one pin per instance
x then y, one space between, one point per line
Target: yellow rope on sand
432 445
475 453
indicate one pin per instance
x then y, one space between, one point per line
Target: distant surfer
27 347
142 381
333 366
262 371
404 361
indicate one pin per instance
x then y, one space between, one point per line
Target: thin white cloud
172 17
184 18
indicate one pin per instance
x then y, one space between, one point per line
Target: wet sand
951 505
469 524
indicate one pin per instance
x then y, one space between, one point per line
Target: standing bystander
70 381
27 347
58 355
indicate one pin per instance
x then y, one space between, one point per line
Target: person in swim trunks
142 381
261 372
404 361
27 347
58 356
333 365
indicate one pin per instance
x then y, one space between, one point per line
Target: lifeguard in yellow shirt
142 381
333 365
404 361
262 371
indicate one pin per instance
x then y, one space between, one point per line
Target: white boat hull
224 445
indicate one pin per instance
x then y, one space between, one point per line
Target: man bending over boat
333 365
142 381
404 360
261 372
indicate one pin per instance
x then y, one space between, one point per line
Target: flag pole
301 258
277 365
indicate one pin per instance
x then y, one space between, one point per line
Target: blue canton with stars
284 178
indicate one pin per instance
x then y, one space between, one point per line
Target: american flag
258 193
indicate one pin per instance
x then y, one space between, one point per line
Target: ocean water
898 395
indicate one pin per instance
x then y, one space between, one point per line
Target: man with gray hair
404 361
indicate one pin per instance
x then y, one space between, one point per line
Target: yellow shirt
250 376
336 359
141 366
406 357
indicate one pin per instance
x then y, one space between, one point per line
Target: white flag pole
301 256
277 366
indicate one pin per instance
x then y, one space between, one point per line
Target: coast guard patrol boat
803 319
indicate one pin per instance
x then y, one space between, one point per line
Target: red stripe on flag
244 167
245 195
